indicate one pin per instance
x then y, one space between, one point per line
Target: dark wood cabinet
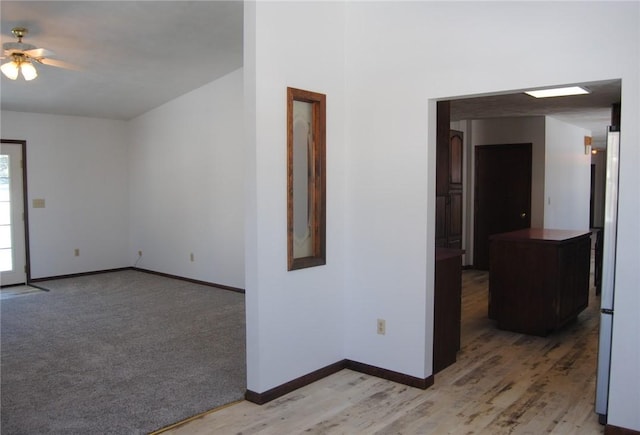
447 307
538 279
449 170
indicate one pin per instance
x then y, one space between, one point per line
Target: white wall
186 165
524 129
295 320
388 219
567 184
79 167
398 62
560 185
169 183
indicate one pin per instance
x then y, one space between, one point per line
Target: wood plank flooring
502 383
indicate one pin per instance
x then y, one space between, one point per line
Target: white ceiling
134 56
591 111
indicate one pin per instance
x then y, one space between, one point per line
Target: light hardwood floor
502 383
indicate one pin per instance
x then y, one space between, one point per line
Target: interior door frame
27 257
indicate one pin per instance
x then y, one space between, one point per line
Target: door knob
523 215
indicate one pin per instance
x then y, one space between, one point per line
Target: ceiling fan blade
58 64
39 52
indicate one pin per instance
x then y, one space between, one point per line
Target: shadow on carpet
121 352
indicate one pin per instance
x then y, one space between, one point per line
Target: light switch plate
38 203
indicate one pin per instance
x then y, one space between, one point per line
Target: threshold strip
195 417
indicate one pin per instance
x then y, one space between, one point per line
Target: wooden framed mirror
306 180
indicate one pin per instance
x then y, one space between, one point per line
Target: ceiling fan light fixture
23 57
28 71
11 69
557 92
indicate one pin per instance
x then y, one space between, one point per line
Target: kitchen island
538 278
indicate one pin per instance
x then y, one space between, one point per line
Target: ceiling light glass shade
28 71
558 92
11 69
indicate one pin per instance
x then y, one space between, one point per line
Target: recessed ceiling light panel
557 92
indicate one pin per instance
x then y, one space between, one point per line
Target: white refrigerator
608 274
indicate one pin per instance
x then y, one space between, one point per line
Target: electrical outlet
191 257
382 327
76 252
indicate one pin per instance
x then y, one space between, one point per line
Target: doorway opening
594 116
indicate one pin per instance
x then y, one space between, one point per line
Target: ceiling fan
23 56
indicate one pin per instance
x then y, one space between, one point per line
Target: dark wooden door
502 194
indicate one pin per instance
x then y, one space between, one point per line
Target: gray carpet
118 353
